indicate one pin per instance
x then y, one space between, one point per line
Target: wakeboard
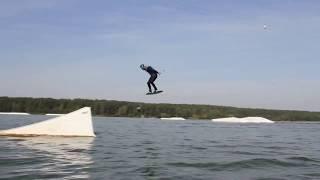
157 92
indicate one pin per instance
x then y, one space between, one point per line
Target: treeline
134 109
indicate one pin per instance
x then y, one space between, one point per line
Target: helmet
142 66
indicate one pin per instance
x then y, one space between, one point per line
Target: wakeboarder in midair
153 76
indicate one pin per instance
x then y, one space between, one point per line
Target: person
153 76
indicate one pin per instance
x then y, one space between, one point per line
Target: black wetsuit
153 76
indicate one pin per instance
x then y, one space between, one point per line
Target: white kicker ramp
174 118
77 123
243 120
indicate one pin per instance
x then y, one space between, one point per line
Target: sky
208 51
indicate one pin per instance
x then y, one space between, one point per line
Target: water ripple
153 149
238 165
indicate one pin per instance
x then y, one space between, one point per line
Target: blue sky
209 52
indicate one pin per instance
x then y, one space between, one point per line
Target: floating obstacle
243 120
77 123
54 114
13 113
174 119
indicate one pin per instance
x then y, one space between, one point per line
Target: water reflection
57 156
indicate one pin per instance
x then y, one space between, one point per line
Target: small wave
16 140
199 148
304 159
237 165
224 146
78 150
192 147
276 147
21 161
148 171
312 175
147 142
273 178
243 153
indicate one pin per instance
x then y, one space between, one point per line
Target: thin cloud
15 8
119 36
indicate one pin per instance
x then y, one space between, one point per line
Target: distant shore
113 108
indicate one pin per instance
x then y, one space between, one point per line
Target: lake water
127 148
